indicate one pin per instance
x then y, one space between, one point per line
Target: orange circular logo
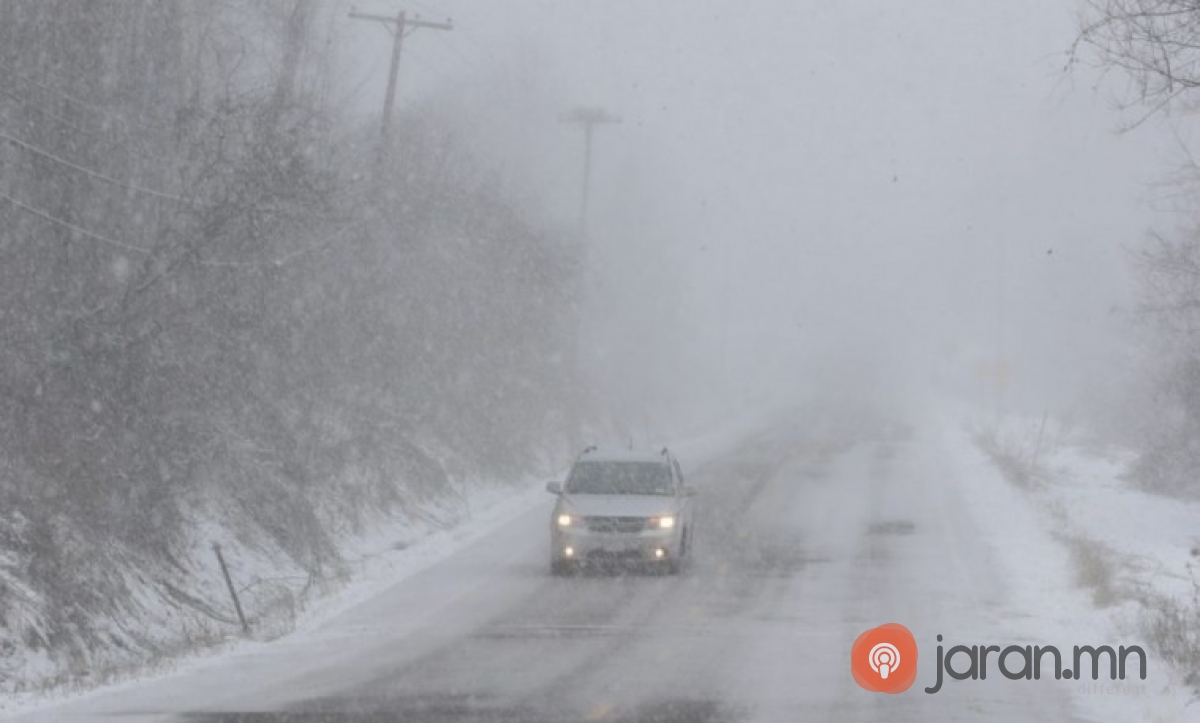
884 659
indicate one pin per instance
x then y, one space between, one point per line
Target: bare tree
208 286
1156 45
1155 42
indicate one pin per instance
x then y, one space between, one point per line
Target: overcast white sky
803 185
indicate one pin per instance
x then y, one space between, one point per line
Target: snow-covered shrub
1173 628
1170 459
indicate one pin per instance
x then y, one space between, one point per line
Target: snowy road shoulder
383 557
1085 553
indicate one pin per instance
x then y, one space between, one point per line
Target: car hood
619 505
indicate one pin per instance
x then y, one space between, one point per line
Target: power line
27 103
287 258
76 100
89 172
124 147
67 224
124 120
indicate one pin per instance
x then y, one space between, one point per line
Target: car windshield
620 478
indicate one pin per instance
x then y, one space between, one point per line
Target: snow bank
1085 551
387 550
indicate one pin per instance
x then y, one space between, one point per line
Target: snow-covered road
805 539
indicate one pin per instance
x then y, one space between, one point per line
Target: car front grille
616 524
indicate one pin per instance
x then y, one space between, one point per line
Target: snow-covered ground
808 535
385 552
1087 550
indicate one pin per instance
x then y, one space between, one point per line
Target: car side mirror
689 491
554 488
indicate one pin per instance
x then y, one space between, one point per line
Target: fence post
232 592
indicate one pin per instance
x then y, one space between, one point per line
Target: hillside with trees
230 312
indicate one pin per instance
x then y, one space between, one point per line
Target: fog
907 193
233 313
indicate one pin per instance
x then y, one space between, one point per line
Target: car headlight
665 522
564 520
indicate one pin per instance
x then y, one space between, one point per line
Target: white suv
621 506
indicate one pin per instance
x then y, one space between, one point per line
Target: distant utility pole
399 27
588 119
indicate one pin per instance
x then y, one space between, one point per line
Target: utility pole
588 119
399 27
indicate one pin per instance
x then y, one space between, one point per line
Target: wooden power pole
588 119
399 27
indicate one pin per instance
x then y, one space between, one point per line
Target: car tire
560 568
